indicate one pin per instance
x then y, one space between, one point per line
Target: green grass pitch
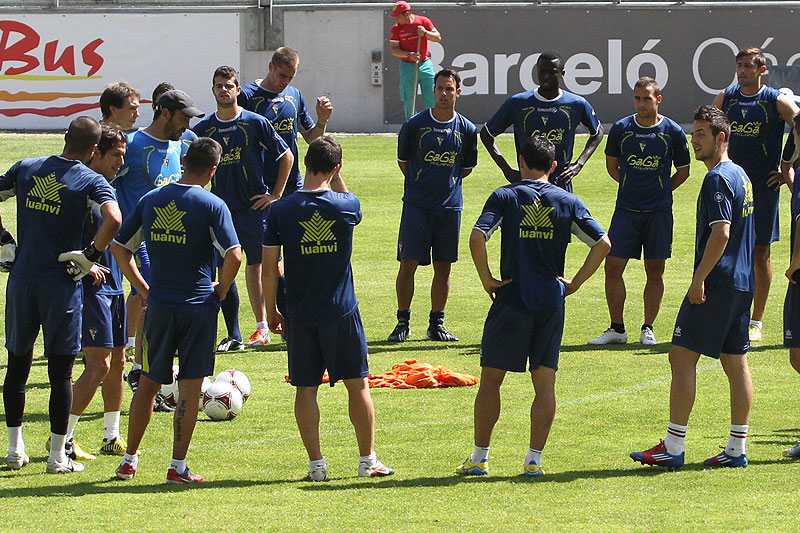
611 401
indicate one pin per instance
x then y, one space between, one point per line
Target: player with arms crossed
757 114
526 321
640 152
550 112
322 325
152 159
178 220
52 194
283 105
714 316
436 149
247 139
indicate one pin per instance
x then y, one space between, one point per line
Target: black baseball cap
179 100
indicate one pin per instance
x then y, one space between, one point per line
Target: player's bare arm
261 201
715 247
794 264
680 176
719 99
337 182
227 274
269 281
324 111
127 266
477 247
491 146
573 169
595 257
431 35
612 167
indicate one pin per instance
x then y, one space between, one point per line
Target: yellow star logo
169 218
47 188
537 215
317 229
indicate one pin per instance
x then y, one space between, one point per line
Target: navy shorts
631 231
143 263
423 231
250 225
103 320
719 325
513 337
791 317
55 306
765 211
338 346
186 329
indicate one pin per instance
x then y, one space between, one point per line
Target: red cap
400 7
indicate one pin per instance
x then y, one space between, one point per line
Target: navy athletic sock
647 326
59 370
230 312
404 316
280 298
436 318
19 367
619 327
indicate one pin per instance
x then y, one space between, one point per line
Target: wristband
92 253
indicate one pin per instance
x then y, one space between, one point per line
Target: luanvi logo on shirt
317 231
537 217
45 196
168 220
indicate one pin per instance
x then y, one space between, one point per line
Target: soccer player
322 326
526 320
247 139
436 149
178 220
640 152
713 318
52 194
152 159
119 104
791 306
284 106
103 334
408 41
757 114
546 111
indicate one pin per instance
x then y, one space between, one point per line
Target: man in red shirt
409 32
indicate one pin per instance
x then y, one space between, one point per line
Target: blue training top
181 225
52 197
646 156
285 110
315 229
536 219
556 119
727 196
436 153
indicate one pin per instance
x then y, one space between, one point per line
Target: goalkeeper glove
8 250
80 263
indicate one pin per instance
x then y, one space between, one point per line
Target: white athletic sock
262 325
131 459
479 453
676 438
131 342
15 443
370 459
535 456
71 423
316 462
737 442
178 464
57 452
756 323
110 425
135 366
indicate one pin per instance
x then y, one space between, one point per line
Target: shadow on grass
419 346
633 348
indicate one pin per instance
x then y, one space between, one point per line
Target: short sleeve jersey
646 156
182 226
795 213
315 229
406 36
113 284
556 119
246 141
52 197
726 195
436 153
756 131
536 219
287 112
149 163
